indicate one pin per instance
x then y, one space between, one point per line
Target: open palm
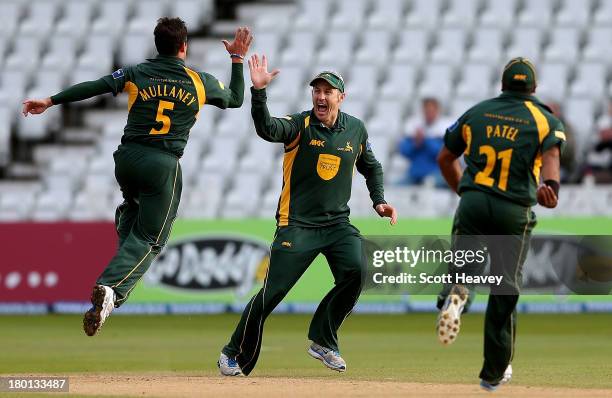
259 72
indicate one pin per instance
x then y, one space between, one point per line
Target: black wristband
554 185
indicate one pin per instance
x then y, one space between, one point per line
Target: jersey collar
168 58
340 124
524 97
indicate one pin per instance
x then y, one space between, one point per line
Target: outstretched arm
269 128
216 94
77 92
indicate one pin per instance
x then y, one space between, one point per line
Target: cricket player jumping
322 148
509 143
165 97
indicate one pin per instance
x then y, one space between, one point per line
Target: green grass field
573 350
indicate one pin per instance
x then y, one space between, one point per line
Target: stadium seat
423 14
526 42
354 107
76 17
374 48
349 15
362 81
413 46
599 45
461 13
112 18
150 10
563 47
387 14
11 12
588 81
574 13
338 49
15 205
437 82
136 45
300 49
222 157
5 135
399 83
195 13
552 80
286 86
536 13
603 14
386 119
312 15
579 112
498 14
40 18
475 82
450 46
487 46
52 206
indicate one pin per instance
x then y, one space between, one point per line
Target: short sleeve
118 79
556 136
453 138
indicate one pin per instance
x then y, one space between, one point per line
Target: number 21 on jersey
162 117
484 177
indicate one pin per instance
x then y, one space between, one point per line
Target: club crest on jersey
117 74
347 148
327 166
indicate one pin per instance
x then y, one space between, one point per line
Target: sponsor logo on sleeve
117 74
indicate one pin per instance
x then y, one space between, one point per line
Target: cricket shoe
485 385
449 318
329 357
228 366
507 375
103 300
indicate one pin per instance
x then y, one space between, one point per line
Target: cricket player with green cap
511 146
164 99
322 147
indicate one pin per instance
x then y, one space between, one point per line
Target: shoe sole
449 319
92 321
318 356
237 374
488 387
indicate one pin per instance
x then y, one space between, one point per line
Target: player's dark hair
518 89
170 34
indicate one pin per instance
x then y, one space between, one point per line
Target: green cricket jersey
318 164
165 98
502 140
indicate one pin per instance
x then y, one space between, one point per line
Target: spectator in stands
600 159
568 158
422 143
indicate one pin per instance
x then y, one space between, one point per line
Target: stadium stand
391 52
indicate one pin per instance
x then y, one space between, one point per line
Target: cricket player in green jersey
164 100
322 146
511 145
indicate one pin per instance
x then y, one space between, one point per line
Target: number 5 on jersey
161 117
483 177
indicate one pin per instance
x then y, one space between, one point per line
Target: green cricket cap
333 78
519 74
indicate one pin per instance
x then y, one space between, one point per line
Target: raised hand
240 44
259 72
36 106
386 210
